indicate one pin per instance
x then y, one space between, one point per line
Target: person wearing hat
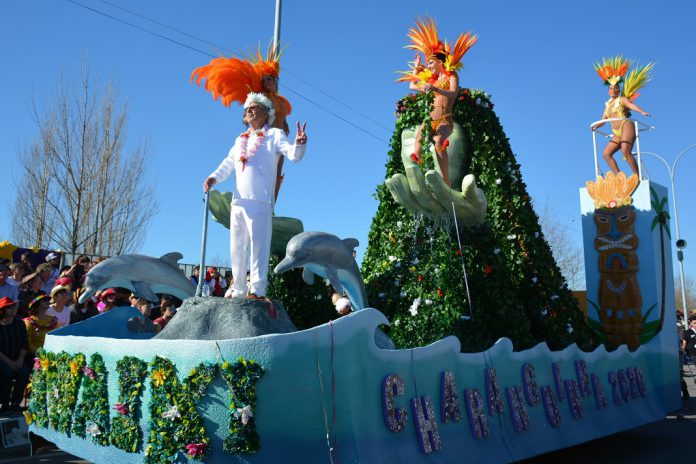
114 298
39 323
60 296
254 161
30 288
6 288
13 349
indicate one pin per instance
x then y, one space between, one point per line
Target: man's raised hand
301 137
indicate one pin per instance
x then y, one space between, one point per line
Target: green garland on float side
92 413
43 376
63 396
176 426
125 427
241 377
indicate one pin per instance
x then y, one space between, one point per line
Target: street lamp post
681 244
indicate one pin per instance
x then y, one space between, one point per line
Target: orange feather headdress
612 70
232 79
424 39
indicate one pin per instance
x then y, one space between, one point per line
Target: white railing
639 126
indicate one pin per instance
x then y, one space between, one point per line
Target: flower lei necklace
247 154
39 328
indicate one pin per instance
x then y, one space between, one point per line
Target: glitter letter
394 418
477 417
449 405
426 427
493 396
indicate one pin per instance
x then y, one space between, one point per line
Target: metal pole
594 145
201 270
640 170
680 254
276 29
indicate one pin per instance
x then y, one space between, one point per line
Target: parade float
492 361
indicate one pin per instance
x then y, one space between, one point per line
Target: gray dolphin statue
143 275
329 257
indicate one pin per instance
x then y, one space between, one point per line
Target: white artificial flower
512 237
92 429
496 251
428 301
544 312
534 280
392 259
414 307
498 181
398 223
553 297
569 328
245 413
171 413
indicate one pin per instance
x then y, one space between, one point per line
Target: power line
220 47
226 49
154 21
139 27
335 115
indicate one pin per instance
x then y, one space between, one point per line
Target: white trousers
250 237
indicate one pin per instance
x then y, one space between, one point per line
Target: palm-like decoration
661 219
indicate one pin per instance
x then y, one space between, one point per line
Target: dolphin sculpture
143 275
329 257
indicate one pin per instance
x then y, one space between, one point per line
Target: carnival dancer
440 77
612 72
254 161
233 78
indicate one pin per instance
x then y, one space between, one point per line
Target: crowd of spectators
37 300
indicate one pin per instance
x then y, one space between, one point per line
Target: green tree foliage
413 267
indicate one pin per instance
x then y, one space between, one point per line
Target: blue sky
535 58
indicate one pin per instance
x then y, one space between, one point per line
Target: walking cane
199 287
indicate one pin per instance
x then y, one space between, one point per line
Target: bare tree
568 255
78 190
690 290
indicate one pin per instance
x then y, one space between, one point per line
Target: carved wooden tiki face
620 299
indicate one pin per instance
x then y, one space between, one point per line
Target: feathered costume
232 79
612 71
424 39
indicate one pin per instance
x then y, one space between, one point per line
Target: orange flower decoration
612 191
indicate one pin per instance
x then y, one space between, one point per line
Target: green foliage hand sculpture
428 193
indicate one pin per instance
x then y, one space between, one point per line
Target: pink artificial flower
195 449
88 372
121 408
37 364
